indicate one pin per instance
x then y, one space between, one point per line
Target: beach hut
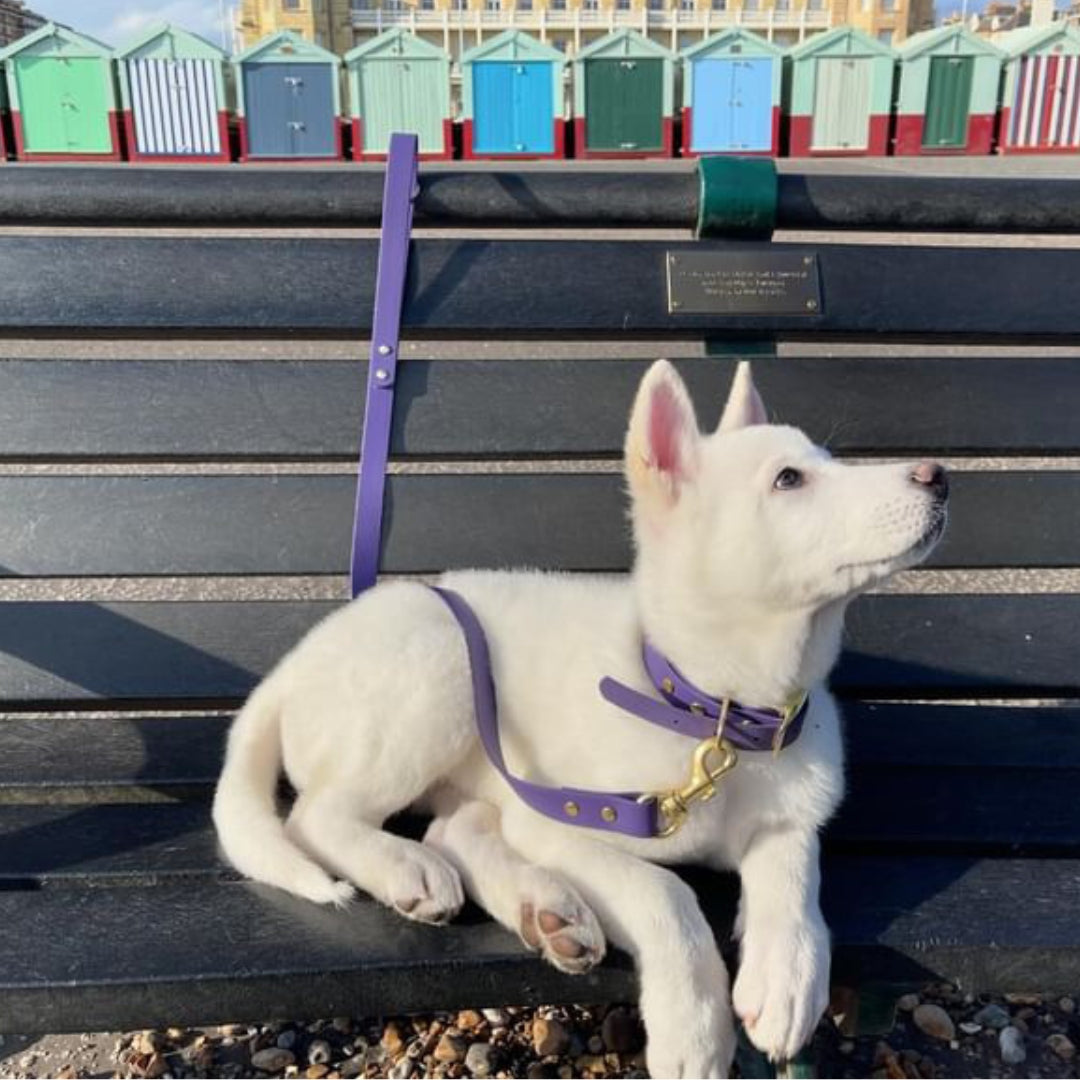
949 81
731 95
624 94
841 95
1040 111
399 82
63 98
172 87
288 93
512 91
5 119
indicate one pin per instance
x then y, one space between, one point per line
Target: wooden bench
179 416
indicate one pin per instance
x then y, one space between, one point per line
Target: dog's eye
786 479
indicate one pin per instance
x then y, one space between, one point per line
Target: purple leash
398 195
628 814
683 709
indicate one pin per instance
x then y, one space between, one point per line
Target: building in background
327 23
16 20
572 25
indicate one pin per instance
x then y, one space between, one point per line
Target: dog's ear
744 406
662 443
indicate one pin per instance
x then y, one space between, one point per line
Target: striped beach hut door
1046 112
175 108
842 103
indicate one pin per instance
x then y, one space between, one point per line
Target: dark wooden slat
263 286
890 735
165 754
114 844
987 924
131 195
957 810
217 409
145 651
147 525
954 645
914 203
202 409
185 752
960 779
192 953
1015 646
947 809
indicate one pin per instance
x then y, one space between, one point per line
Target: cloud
115 21
198 16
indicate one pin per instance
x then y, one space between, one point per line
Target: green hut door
624 103
948 101
401 94
63 105
842 103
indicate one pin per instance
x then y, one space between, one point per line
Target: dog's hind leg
332 824
540 905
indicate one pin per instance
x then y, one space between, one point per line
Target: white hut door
175 107
842 104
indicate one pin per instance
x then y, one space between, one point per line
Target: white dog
750 543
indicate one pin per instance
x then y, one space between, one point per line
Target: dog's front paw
688 1023
782 988
424 887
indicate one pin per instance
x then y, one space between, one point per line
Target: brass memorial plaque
743 283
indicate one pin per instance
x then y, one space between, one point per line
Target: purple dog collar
723 726
691 711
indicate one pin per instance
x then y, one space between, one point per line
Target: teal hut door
512 107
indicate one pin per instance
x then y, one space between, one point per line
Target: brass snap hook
712 759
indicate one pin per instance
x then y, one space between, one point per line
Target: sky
114 21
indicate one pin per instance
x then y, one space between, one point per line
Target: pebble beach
937 1033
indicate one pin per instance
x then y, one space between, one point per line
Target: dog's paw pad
557 923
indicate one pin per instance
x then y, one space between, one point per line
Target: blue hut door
512 108
290 110
311 110
732 105
266 108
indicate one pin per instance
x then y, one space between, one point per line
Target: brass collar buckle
790 712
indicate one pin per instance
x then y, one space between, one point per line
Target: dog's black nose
930 474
